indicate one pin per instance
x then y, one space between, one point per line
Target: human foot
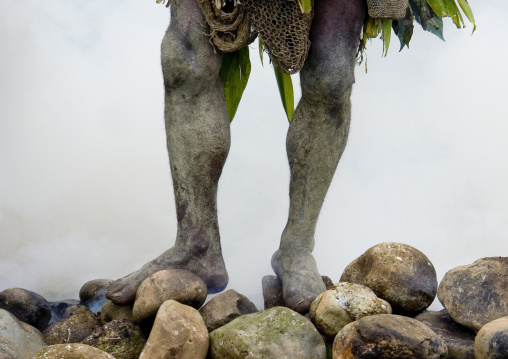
209 266
301 281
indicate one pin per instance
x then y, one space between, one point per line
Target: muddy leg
198 140
316 139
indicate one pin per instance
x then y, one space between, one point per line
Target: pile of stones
377 310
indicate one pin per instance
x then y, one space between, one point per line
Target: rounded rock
177 284
178 332
225 307
110 311
278 332
71 351
90 289
492 340
79 323
123 339
27 306
459 339
18 339
93 294
476 294
397 273
58 309
347 302
388 336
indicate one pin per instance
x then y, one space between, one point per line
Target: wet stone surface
458 339
476 294
397 273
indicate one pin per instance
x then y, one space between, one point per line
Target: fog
85 188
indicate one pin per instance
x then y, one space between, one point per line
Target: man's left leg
316 140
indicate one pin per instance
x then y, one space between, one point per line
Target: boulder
277 332
90 289
397 273
388 336
272 292
27 306
178 332
347 302
93 294
110 311
492 340
58 309
177 284
71 351
459 339
123 339
225 307
18 339
476 294
79 323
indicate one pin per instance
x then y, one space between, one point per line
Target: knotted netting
387 9
284 30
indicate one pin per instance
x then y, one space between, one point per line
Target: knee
328 82
188 64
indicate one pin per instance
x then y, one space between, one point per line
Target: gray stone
90 289
123 339
225 307
492 340
328 282
5 356
177 284
93 294
58 309
274 333
178 332
110 311
388 336
72 351
79 323
27 306
397 273
18 339
347 302
458 339
476 294
272 292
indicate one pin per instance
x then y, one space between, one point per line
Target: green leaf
285 85
404 31
468 12
234 74
435 26
261 49
447 8
386 34
305 6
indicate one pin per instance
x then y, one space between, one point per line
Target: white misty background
85 190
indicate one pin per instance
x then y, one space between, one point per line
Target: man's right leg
198 140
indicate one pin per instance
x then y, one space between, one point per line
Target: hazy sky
85 190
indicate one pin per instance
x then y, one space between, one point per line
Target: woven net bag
284 30
387 9
230 28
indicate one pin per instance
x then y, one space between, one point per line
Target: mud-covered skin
198 138
316 140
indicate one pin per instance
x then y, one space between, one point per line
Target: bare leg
316 140
198 139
